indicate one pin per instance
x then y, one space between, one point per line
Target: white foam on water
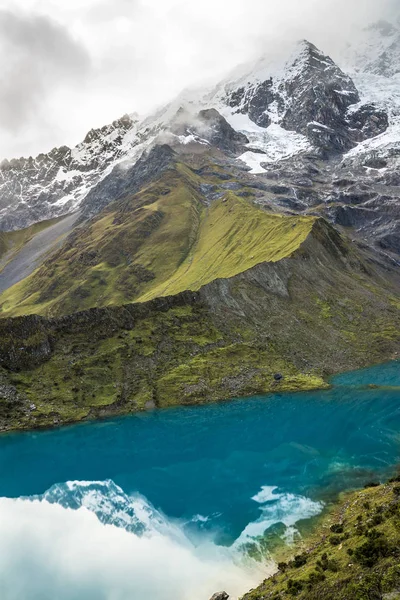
266 494
284 508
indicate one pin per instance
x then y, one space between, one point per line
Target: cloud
67 67
38 56
47 551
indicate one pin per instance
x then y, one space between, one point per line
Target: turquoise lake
223 473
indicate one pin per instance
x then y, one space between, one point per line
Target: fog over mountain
67 68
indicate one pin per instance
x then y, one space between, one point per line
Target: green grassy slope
317 312
198 300
116 365
233 236
162 241
354 553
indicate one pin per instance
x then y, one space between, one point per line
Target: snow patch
253 161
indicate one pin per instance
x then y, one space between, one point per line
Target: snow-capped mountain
373 61
310 96
261 115
33 189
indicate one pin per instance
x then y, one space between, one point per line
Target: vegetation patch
164 240
353 554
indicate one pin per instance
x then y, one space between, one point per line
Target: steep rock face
35 189
219 133
311 96
125 179
367 121
255 101
319 94
207 126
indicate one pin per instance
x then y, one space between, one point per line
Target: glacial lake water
162 505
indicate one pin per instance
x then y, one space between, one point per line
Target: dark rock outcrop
255 101
313 98
219 133
125 180
319 96
209 126
367 122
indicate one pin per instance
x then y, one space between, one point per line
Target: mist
47 551
68 68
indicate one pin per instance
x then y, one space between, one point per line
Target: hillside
239 241
319 310
354 553
162 241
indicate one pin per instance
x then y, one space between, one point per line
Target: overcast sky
68 66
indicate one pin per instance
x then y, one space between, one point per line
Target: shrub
377 519
299 561
369 588
360 530
371 484
336 528
294 587
376 547
316 577
393 509
391 579
333 566
335 540
326 564
323 563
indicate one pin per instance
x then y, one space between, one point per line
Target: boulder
220 596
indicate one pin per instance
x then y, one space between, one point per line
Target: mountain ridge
318 312
212 257
56 183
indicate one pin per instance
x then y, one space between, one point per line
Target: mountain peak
309 95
